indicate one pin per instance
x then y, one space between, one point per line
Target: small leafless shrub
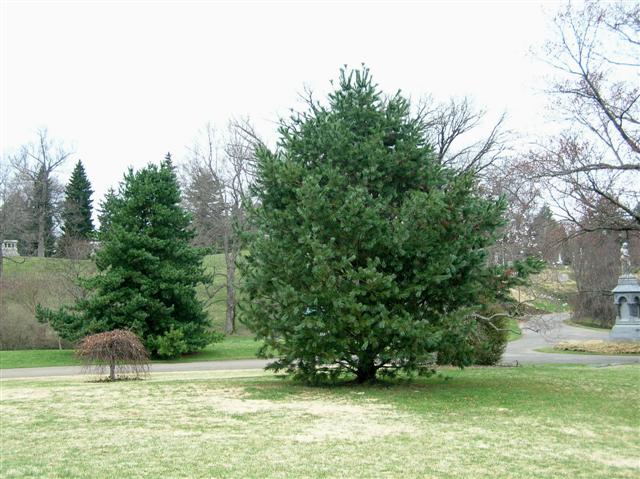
119 350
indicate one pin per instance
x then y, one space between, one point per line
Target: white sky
122 83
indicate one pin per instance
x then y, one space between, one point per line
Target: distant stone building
10 248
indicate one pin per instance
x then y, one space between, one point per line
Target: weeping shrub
119 350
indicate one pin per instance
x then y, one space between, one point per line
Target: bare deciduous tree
13 209
35 164
511 180
204 188
456 134
4 180
239 151
596 55
595 258
217 179
464 140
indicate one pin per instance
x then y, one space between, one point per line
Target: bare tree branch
35 165
217 181
455 122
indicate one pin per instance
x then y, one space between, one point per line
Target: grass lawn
526 422
591 325
233 347
34 358
550 306
549 291
30 264
514 330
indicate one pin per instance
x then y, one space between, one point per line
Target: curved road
555 330
521 350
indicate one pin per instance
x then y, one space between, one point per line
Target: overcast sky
122 83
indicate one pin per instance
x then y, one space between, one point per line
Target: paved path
521 350
155 368
555 330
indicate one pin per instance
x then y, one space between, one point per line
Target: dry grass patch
484 422
599 346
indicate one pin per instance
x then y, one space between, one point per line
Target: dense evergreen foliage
488 324
364 253
77 208
147 270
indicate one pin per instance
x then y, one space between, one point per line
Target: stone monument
626 296
10 248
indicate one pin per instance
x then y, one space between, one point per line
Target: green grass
216 306
550 306
233 347
535 421
587 324
33 358
29 264
514 330
546 293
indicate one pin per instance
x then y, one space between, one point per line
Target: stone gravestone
626 296
10 248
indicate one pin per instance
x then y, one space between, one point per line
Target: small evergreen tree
364 253
548 236
77 208
147 270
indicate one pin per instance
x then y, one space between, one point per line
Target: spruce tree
364 254
147 271
77 208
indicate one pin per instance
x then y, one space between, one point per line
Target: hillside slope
51 282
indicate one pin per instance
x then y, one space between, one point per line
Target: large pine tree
363 251
147 270
77 207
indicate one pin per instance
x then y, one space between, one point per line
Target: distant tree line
47 218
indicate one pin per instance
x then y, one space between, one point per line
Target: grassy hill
51 281
549 292
28 282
